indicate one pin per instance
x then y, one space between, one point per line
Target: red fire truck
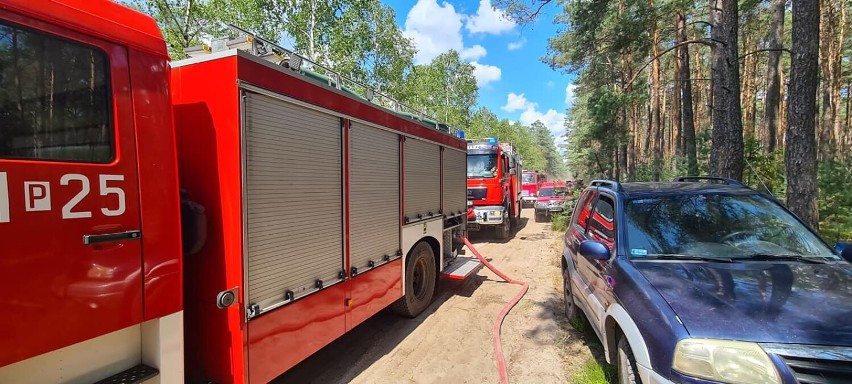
319 206
531 182
493 186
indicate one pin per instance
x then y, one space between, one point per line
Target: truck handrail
261 46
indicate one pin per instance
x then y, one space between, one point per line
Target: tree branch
702 42
765 50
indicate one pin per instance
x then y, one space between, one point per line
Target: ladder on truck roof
271 51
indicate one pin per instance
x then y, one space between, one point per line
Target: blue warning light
492 140
460 134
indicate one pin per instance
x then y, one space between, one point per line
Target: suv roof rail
614 185
718 180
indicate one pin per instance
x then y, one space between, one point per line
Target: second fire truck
493 186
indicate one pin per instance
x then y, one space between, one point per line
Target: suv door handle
112 237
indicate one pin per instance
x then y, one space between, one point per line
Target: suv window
602 223
54 99
583 210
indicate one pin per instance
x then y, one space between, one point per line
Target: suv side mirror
844 250
594 249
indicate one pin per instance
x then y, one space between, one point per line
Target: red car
551 199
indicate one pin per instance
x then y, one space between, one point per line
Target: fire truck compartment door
422 170
67 174
294 200
374 196
455 182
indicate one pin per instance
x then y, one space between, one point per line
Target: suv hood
758 301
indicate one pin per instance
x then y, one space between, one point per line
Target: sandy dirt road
451 341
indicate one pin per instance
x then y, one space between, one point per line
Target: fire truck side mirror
513 171
193 218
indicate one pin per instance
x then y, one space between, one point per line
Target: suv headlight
728 361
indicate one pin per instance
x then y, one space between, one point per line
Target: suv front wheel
627 372
571 310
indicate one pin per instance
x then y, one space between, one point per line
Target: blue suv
703 280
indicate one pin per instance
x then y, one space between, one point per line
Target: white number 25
105 190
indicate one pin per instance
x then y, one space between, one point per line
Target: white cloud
554 121
515 102
434 28
475 52
513 46
569 94
489 20
485 74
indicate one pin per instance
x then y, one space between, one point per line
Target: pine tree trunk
677 116
747 77
829 25
631 143
726 151
686 97
656 126
701 102
800 155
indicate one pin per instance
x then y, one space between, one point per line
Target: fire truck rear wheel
419 282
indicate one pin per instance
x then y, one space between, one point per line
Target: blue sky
513 81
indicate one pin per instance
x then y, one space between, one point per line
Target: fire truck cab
493 186
531 182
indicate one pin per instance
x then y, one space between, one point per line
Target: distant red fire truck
319 206
493 186
531 182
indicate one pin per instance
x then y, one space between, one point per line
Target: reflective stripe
4 198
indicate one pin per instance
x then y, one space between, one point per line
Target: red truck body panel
105 19
207 113
96 289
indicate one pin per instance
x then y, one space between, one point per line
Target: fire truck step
461 268
133 375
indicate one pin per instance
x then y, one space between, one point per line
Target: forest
754 90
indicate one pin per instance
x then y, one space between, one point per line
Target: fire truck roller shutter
293 198
373 195
455 182
422 179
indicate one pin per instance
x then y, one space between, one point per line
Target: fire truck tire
419 282
502 231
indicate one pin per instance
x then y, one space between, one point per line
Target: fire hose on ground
498 322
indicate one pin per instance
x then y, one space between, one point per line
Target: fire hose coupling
225 298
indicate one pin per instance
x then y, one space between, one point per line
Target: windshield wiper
774 257
675 256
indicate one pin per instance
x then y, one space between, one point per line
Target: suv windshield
528 178
714 225
481 166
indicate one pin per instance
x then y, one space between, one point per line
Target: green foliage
444 88
595 372
764 169
835 199
559 221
